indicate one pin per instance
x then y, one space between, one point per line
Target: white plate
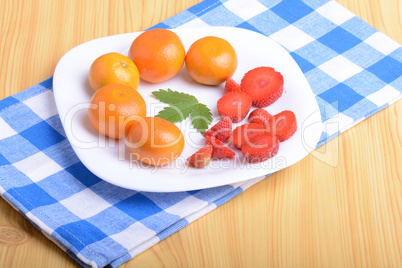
110 160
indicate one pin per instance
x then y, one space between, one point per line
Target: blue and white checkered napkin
353 69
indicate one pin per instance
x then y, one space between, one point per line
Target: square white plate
110 159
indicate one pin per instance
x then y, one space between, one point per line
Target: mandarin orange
159 55
113 68
210 60
114 108
155 141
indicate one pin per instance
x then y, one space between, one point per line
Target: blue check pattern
354 71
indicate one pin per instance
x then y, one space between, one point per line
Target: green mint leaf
182 105
173 97
201 117
177 113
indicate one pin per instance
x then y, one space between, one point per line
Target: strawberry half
234 105
219 150
283 125
242 134
231 85
263 84
221 130
259 116
202 157
261 148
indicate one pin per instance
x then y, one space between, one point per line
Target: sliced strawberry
259 116
242 134
234 105
283 125
221 130
263 84
260 148
231 85
202 157
219 150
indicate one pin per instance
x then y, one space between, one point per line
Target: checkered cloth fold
353 70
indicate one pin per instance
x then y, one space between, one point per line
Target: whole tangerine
113 68
155 141
159 55
210 60
114 108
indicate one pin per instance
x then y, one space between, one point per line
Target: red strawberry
261 147
283 125
202 157
231 85
242 134
235 105
221 130
259 116
263 84
219 150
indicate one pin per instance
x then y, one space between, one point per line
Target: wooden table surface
339 208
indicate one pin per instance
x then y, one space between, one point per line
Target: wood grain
342 208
